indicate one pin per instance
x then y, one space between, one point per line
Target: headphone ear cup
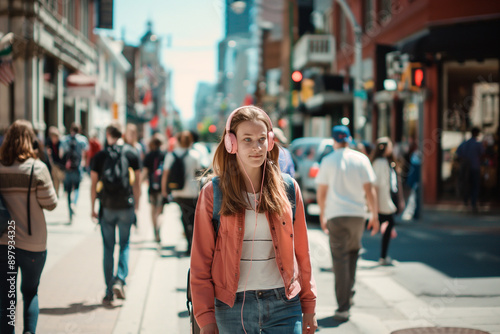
231 143
270 140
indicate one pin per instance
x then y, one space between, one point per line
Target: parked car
307 154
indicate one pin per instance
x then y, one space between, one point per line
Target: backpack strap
216 205
29 193
290 191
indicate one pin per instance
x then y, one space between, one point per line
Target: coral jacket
215 265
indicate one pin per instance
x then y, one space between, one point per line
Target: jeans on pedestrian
109 220
72 181
31 265
345 242
386 238
264 311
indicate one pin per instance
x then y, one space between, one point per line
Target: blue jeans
264 311
109 220
31 265
72 181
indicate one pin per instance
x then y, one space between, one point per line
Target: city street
445 275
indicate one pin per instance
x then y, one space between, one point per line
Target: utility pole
358 74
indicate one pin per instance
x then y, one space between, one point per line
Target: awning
326 99
472 40
81 85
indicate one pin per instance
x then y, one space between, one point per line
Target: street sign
361 93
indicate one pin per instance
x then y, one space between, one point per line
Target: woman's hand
210 329
309 323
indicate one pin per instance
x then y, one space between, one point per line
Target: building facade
52 41
456 49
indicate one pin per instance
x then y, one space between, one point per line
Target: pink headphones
230 139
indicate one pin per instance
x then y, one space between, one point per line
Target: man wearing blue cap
345 181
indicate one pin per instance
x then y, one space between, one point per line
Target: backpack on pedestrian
217 202
177 173
116 192
73 157
156 174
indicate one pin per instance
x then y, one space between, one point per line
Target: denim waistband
261 294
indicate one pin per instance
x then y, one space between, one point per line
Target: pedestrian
257 276
469 154
344 180
94 147
26 187
285 158
131 137
153 171
388 194
186 196
53 147
73 148
113 172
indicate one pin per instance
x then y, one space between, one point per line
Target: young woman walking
254 275
387 186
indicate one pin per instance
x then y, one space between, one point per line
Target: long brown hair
18 143
232 182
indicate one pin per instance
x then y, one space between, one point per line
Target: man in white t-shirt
345 183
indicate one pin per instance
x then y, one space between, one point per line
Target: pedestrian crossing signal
417 77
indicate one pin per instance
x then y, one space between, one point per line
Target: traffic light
417 76
296 80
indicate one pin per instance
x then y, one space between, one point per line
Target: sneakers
387 261
341 316
107 300
118 289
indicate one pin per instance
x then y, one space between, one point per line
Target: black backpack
177 173
73 157
116 189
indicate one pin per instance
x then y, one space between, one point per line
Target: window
368 15
70 12
385 12
342 28
84 17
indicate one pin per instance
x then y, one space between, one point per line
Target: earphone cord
257 207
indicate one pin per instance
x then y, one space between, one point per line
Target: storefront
470 99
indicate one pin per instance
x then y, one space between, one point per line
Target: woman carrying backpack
180 180
153 170
255 272
387 185
27 189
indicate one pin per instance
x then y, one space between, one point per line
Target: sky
195 27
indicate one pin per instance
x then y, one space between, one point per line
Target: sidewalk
72 284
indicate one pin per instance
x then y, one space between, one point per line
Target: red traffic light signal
417 77
296 76
297 80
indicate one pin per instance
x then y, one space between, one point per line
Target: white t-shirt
383 172
345 172
192 164
264 272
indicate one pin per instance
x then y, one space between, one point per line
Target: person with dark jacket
153 171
